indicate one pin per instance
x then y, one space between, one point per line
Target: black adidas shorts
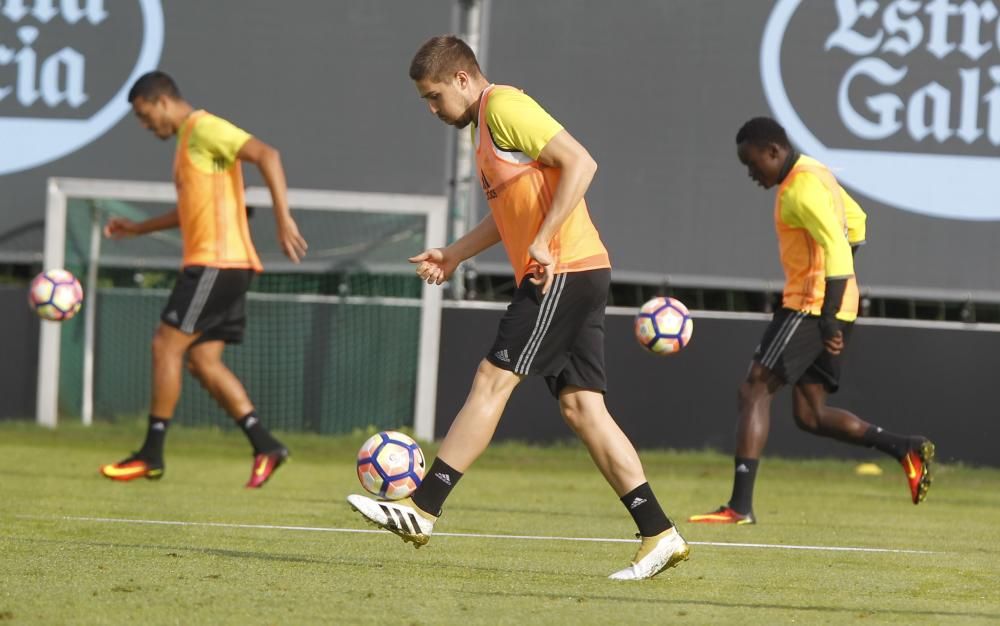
210 301
559 336
792 347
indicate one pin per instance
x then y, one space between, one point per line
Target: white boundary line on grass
112 520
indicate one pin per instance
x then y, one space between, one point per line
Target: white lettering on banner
960 106
45 10
35 85
886 106
48 87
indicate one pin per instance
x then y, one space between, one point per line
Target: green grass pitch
66 556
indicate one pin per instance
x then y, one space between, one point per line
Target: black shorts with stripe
559 336
210 301
792 347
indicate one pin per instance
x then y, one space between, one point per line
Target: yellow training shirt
210 200
510 133
214 143
517 123
816 221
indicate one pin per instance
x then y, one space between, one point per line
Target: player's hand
119 228
434 266
833 336
835 344
291 241
543 266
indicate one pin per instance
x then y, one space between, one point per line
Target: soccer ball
55 295
663 326
391 465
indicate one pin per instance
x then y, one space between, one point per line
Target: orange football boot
723 515
917 466
133 467
264 465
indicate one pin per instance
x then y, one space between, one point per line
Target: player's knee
493 380
572 413
747 394
202 366
580 412
162 346
807 421
758 385
577 418
196 367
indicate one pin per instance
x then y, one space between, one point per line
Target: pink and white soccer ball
55 295
391 465
663 326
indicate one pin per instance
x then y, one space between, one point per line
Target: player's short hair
441 57
761 131
152 85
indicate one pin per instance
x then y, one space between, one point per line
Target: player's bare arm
120 227
268 161
438 264
578 169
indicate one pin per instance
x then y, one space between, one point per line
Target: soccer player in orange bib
819 228
205 310
534 175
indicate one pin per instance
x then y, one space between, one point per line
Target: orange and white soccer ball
391 465
55 295
663 326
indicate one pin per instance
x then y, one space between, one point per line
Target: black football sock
646 511
892 444
260 438
744 476
441 478
156 433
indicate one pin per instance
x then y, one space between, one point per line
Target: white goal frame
60 190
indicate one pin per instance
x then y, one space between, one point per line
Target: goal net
347 339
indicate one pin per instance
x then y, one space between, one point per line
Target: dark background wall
905 379
19 350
